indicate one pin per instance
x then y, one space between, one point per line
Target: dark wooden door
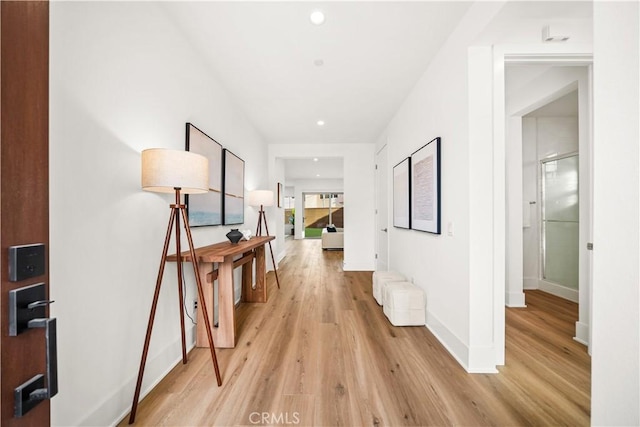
24 186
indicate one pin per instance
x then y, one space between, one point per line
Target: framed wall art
205 209
425 188
233 184
401 194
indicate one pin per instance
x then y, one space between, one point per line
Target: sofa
333 240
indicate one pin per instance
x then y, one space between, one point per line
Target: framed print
233 184
425 188
401 194
205 209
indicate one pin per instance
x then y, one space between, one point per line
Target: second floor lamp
262 198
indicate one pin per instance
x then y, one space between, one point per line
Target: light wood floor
321 352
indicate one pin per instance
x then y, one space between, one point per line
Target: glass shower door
560 221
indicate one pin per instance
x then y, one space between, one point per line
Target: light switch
450 228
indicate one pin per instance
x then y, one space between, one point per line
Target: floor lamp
174 171
263 198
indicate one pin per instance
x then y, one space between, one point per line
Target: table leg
259 294
201 332
225 334
247 279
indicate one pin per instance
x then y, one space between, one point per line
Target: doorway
547 125
382 214
322 210
560 224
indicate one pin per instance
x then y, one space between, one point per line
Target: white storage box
404 304
382 277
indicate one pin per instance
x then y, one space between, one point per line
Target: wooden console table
224 254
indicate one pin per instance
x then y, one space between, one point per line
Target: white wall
358 181
615 380
122 79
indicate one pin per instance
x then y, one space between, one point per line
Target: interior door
24 213
382 213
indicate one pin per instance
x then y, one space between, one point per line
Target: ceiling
322 168
265 55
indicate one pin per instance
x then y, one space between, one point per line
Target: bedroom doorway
321 210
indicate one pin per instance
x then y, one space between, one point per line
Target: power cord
184 298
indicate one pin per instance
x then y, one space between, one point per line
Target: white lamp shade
260 198
164 170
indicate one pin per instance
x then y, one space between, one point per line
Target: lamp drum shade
164 170
260 198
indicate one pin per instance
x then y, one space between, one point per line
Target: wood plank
219 251
259 293
224 335
322 348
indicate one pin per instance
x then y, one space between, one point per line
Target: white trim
558 290
449 340
359 266
515 299
169 357
474 360
482 360
530 283
582 333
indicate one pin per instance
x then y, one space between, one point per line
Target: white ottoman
404 304
382 277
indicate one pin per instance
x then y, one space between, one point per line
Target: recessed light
318 62
315 159
317 17
320 122
318 175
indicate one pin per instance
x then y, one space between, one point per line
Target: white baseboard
474 360
449 340
358 266
559 291
156 369
530 283
515 299
482 360
582 333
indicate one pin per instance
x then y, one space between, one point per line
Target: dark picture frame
205 209
425 187
233 184
402 194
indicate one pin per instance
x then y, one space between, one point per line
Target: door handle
32 392
50 334
383 229
27 311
